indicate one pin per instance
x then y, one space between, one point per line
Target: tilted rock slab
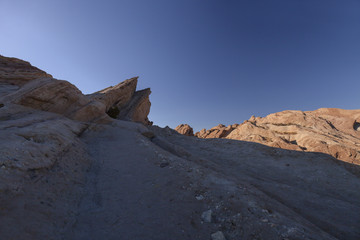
43 163
23 84
185 129
327 130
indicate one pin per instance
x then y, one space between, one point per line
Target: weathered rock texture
185 129
104 178
327 130
18 72
23 84
43 163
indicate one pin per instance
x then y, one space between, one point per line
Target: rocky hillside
327 130
76 166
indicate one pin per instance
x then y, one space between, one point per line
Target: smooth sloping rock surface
32 140
312 189
43 166
327 130
51 95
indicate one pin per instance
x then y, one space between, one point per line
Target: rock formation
25 85
327 130
41 156
123 102
17 72
185 129
218 131
76 166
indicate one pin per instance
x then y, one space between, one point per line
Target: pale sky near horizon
206 62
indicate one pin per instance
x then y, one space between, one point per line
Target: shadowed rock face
138 108
327 130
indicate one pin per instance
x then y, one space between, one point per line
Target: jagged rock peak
23 84
185 129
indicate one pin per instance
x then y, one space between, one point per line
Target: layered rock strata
23 84
43 162
185 129
327 130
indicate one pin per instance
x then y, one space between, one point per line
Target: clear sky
207 62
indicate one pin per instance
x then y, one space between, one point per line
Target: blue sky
207 62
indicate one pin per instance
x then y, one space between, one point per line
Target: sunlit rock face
23 84
185 129
17 72
327 130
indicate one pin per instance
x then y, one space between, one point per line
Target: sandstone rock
18 72
43 162
34 139
185 129
138 108
118 96
219 131
65 179
23 84
201 134
51 95
327 130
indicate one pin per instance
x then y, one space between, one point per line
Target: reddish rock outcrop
185 129
327 130
220 131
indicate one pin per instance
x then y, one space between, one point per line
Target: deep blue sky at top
207 62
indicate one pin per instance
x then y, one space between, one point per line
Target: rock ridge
328 130
23 84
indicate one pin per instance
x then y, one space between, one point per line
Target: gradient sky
207 62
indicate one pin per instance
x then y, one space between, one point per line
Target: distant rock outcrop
185 129
220 131
327 130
